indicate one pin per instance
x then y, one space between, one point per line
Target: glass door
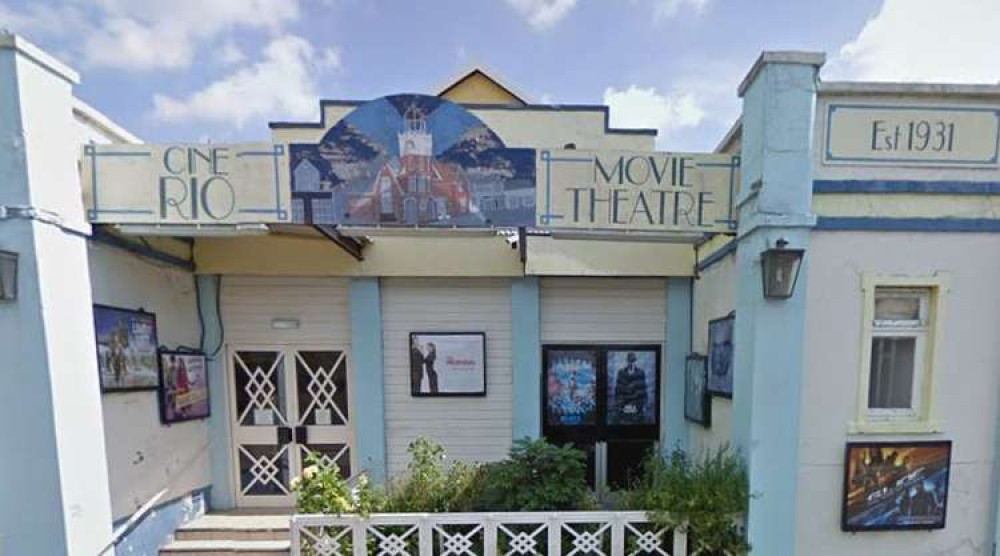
605 400
286 403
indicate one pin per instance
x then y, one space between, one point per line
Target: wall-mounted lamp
780 267
285 324
8 276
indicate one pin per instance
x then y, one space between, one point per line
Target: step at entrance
231 535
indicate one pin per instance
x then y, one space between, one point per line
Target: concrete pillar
54 496
779 98
369 383
678 344
221 496
526 357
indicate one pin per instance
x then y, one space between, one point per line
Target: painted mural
412 160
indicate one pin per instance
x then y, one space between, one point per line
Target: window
895 386
898 337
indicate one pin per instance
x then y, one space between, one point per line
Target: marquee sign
636 191
185 184
879 134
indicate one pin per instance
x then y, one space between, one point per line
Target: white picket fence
485 534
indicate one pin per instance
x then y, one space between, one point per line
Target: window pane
891 384
897 307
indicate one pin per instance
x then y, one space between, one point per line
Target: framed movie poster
720 356
631 391
697 402
896 485
448 363
126 349
183 386
571 387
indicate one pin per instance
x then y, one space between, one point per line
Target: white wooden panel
606 310
250 303
470 429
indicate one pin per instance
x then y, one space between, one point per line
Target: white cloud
542 14
282 84
925 40
665 9
143 34
637 107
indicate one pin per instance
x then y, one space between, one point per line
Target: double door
287 403
605 400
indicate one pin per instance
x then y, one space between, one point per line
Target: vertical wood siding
470 429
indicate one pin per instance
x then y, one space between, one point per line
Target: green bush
431 485
709 496
537 476
321 490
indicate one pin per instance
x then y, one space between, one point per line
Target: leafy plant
536 476
321 489
430 484
709 496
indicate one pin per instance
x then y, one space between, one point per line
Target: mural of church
412 160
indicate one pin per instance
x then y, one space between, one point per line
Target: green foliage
710 496
321 489
431 485
536 476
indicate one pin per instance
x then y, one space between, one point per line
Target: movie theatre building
182 324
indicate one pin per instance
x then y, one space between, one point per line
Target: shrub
536 476
321 489
709 496
429 485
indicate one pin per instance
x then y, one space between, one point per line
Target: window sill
894 427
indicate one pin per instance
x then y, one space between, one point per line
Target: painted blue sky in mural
192 70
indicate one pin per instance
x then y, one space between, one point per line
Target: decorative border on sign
276 153
829 157
90 152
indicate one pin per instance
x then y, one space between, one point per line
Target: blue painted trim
678 346
91 152
103 237
478 106
368 376
907 186
716 256
276 153
860 223
829 157
222 464
526 357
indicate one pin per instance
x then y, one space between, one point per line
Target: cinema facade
819 291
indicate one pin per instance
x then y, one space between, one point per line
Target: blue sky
195 70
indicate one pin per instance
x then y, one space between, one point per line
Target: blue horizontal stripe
716 256
907 186
857 223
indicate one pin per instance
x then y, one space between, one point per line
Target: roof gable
478 87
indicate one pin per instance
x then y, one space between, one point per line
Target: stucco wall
965 395
714 297
143 455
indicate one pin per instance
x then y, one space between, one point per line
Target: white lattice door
287 403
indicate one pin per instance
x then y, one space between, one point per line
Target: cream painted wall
143 455
964 398
470 429
714 297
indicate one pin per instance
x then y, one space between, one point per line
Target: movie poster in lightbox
571 387
448 363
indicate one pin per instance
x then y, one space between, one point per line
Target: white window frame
919 417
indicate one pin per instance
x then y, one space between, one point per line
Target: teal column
526 357
369 385
779 97
678 344
222 496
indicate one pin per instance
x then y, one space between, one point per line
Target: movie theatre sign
636 191
187 184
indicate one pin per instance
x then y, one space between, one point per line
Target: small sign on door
324 417
263 417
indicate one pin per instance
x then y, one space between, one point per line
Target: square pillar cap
20 45
801 57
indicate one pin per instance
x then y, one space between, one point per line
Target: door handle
284 435
302 435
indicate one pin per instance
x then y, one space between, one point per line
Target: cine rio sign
185 184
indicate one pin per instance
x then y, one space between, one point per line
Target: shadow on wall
158 527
